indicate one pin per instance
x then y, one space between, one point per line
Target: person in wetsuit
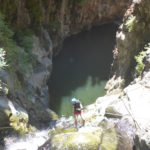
76 103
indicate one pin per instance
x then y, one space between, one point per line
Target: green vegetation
9 8
139 59
130 23
109 139
34 11
76 141
60 131
80 2
20 124
19 57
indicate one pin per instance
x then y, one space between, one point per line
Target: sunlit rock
12 115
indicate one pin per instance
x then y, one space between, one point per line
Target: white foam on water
32 142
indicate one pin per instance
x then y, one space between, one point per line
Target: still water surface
82 68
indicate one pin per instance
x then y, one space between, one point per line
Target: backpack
77 107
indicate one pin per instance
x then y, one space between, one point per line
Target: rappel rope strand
135 122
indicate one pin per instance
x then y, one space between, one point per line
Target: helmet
73 100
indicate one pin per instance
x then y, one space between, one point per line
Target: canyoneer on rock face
76 103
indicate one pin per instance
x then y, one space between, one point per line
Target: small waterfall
31 142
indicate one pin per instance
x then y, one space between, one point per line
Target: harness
77 107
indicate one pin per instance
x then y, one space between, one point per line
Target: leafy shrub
9 8
139 59
19 59
130 23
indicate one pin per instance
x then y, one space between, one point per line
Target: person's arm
81 107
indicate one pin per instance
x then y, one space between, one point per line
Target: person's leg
75 119
82 119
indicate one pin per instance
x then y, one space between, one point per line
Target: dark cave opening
83 63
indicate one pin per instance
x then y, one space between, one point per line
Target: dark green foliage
77 2
130 23
18 59
35 12
139 59
5 32
9 8
80 2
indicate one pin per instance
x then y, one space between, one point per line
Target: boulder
111 112
89 138
11 114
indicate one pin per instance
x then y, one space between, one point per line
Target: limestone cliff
63 17
51 21
131 38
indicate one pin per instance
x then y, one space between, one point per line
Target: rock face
83 12
136 103
99 131
14 115
114 122
31 93
117 122
54 21
65 17
132 35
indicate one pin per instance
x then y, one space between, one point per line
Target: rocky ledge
117 122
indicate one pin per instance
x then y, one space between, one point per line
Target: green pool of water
82 68
87 94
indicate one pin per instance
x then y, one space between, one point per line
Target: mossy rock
76 141
109 140
19 122
113 139
4 117
89 138
12 115
60 131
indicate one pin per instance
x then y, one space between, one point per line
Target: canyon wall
51 22
132 36
62 17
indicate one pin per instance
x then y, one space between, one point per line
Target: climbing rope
135 122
